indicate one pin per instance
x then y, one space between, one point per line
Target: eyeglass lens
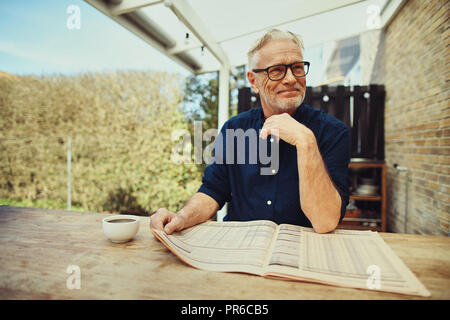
278 72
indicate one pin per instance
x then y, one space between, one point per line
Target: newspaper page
223 246
348 258
358 259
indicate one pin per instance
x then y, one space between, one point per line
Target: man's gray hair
271 35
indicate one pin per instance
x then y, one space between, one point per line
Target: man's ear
252 81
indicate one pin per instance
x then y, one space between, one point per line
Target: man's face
284 95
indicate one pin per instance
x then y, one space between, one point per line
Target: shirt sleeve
336 156
215 181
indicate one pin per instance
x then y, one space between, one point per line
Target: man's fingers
265 132
155 223
166 221
159 219
174 224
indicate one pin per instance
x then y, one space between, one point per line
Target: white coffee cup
120 228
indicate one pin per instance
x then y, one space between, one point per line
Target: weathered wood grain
37 246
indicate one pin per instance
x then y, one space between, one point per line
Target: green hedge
120 125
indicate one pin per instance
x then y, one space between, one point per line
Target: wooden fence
361 108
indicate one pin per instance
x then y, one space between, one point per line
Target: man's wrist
306 140
182 214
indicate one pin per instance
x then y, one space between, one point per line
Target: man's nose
289 77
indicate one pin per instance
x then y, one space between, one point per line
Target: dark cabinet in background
367 207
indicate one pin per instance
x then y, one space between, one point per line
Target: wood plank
38 245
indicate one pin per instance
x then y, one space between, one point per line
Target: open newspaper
357 259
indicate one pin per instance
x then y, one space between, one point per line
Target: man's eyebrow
284 63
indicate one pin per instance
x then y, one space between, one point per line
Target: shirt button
269 202
271 139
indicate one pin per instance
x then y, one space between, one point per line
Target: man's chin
290 104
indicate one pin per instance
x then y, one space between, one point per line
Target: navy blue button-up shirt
275 196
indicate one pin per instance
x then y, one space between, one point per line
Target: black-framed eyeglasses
277 72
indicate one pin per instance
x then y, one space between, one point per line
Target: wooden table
37 246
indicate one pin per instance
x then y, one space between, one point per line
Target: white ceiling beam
127 6
102 7
181 47
192 21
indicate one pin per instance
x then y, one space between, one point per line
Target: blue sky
34 39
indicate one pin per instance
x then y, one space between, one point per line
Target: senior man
310 186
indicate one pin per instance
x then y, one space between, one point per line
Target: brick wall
413 62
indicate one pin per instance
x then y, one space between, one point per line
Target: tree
201 99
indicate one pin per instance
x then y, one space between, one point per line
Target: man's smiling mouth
288 91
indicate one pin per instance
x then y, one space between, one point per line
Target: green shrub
120 126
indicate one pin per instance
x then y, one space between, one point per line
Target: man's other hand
167 221
284 127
